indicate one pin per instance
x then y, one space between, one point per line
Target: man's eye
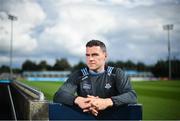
95 54
87 55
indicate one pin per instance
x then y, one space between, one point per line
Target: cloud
140 34
29 15
78 23
132 29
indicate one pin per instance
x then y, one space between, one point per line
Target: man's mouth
92 63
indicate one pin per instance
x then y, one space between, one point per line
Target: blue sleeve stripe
84 71
109 70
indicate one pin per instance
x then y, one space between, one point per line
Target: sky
55 29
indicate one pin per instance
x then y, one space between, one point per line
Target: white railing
38 95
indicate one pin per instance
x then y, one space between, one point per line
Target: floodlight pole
167 28
12 18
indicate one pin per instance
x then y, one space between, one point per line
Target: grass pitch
160 99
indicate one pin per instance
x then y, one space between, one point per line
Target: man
98 86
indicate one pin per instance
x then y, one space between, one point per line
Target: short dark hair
92 43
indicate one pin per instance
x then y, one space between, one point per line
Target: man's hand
93 104
100 103
83 103
92 109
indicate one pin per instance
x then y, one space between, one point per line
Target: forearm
126 93
64 97
125 98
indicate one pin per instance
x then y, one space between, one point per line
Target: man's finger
93 110
87 105
90 96
86 110
95 104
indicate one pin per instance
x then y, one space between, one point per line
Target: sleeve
66 93
126 95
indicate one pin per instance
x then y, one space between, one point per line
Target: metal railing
12 104
35 94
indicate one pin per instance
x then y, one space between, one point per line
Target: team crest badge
107 86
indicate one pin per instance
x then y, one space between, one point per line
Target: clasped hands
93 104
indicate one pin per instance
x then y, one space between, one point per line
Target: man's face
95 58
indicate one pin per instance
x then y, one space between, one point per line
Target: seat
126 112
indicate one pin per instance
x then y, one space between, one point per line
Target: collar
96 73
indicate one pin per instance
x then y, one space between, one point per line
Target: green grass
160 99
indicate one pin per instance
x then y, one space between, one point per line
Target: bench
126 112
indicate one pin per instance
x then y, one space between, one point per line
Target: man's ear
106 55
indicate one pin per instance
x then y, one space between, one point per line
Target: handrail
12 104
29 90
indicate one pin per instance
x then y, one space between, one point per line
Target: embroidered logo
107 86
86 86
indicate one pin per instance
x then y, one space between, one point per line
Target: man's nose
91 58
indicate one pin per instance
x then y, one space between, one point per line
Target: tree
130 65
61 65
4 68
111 63
43 66
120 64
160 69
78 66
29 66
141 66
175 69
